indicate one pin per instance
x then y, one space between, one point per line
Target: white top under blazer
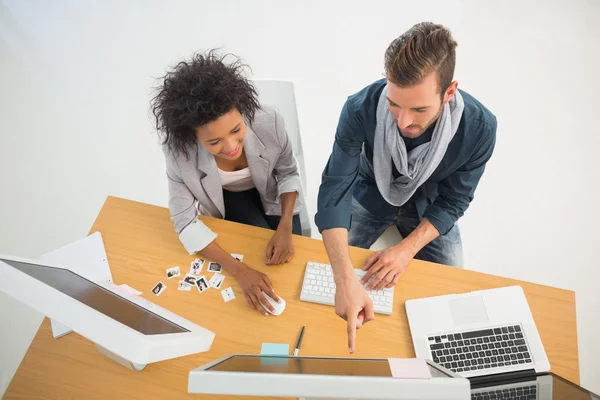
236 181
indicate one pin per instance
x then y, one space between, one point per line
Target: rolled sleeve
340 173
456 192
196 236
193 233
288 185
332 217
441 219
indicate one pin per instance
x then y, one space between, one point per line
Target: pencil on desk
297 349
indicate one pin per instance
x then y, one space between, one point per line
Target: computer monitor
127 328
322 378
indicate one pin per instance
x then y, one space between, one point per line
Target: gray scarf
417 165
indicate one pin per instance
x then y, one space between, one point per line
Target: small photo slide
201 284
214 267
173 272
216 280
227 294
159 288
190 279
196 266
184 286
239 257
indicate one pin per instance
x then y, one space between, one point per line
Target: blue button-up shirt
442 199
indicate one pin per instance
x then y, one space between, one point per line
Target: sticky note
275 349
129 290
409 368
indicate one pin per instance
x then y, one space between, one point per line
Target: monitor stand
126 363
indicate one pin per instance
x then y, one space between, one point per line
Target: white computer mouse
279 307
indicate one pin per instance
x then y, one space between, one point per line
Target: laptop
478 334
541 387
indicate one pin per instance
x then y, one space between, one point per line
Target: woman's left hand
280 248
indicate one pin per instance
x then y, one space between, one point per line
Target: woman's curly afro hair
197 92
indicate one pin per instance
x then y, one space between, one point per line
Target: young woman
229 158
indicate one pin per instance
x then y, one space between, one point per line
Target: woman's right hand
253 283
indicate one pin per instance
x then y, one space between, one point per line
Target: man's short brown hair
424 48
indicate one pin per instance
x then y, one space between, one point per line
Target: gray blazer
195 187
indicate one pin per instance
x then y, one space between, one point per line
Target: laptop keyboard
519 393
480 350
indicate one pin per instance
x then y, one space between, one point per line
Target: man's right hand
253 283
353 304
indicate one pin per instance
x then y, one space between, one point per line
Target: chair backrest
281 96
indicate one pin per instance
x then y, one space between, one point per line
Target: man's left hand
386 267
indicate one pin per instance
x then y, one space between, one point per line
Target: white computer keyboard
318 287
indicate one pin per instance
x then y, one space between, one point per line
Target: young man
409 151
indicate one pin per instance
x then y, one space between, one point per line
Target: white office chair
281 95
390 237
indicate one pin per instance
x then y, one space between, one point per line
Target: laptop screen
544 387
565 390
99 298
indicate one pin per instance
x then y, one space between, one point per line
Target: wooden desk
141 244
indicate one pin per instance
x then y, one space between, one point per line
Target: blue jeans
246 208
367 227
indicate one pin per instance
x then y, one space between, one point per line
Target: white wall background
75 79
